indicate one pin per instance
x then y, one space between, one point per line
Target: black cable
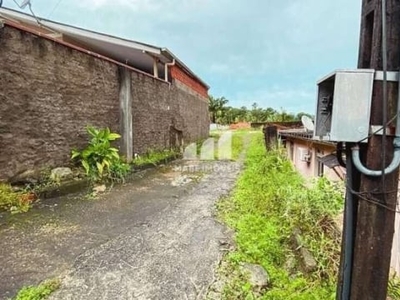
54 8
366 196
1 3
381 128
339 154
385 94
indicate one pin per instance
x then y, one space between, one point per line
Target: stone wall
50 92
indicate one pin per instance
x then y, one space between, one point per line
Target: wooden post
375 222
271 137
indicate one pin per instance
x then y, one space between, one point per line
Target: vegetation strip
39 292
269 203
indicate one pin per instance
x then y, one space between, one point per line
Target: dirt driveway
155 237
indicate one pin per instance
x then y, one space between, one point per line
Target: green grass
268 202
154 157
238 143
42 291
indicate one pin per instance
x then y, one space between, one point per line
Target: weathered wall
309 170
178 74
50 92
161 110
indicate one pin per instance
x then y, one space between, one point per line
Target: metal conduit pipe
375 173
166 68
348 238
396 153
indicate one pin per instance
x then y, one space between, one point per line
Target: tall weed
270 200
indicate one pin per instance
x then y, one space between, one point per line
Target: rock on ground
59 174
259 278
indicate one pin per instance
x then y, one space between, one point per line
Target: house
314 158
56 79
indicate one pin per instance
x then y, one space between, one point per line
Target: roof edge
53 25
185 67
77 48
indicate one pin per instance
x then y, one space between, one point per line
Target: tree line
222 113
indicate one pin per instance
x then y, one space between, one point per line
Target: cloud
247 50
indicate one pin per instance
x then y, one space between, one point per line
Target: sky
271 52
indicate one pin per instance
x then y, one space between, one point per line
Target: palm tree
216 107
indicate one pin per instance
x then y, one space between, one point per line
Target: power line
54 8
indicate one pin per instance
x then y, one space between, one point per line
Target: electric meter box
344 106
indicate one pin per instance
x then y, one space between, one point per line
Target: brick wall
49 93
178 74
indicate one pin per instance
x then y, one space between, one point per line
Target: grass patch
15 202
269 201
154 157
39 292
238 143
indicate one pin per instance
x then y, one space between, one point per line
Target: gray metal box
344 105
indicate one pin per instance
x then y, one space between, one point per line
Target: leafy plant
42 291
394 288
99 159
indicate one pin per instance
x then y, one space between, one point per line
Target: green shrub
42 291
99 159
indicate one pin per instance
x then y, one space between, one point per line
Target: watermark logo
210 149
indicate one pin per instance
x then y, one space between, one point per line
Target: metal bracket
391 76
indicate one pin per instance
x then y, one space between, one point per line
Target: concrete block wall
50 92
160 109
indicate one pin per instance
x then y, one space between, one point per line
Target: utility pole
374 198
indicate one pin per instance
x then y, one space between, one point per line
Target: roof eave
171 56
60 27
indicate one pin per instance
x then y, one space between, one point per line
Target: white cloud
271 52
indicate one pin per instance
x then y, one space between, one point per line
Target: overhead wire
384 96
380 128
366 196
54 8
